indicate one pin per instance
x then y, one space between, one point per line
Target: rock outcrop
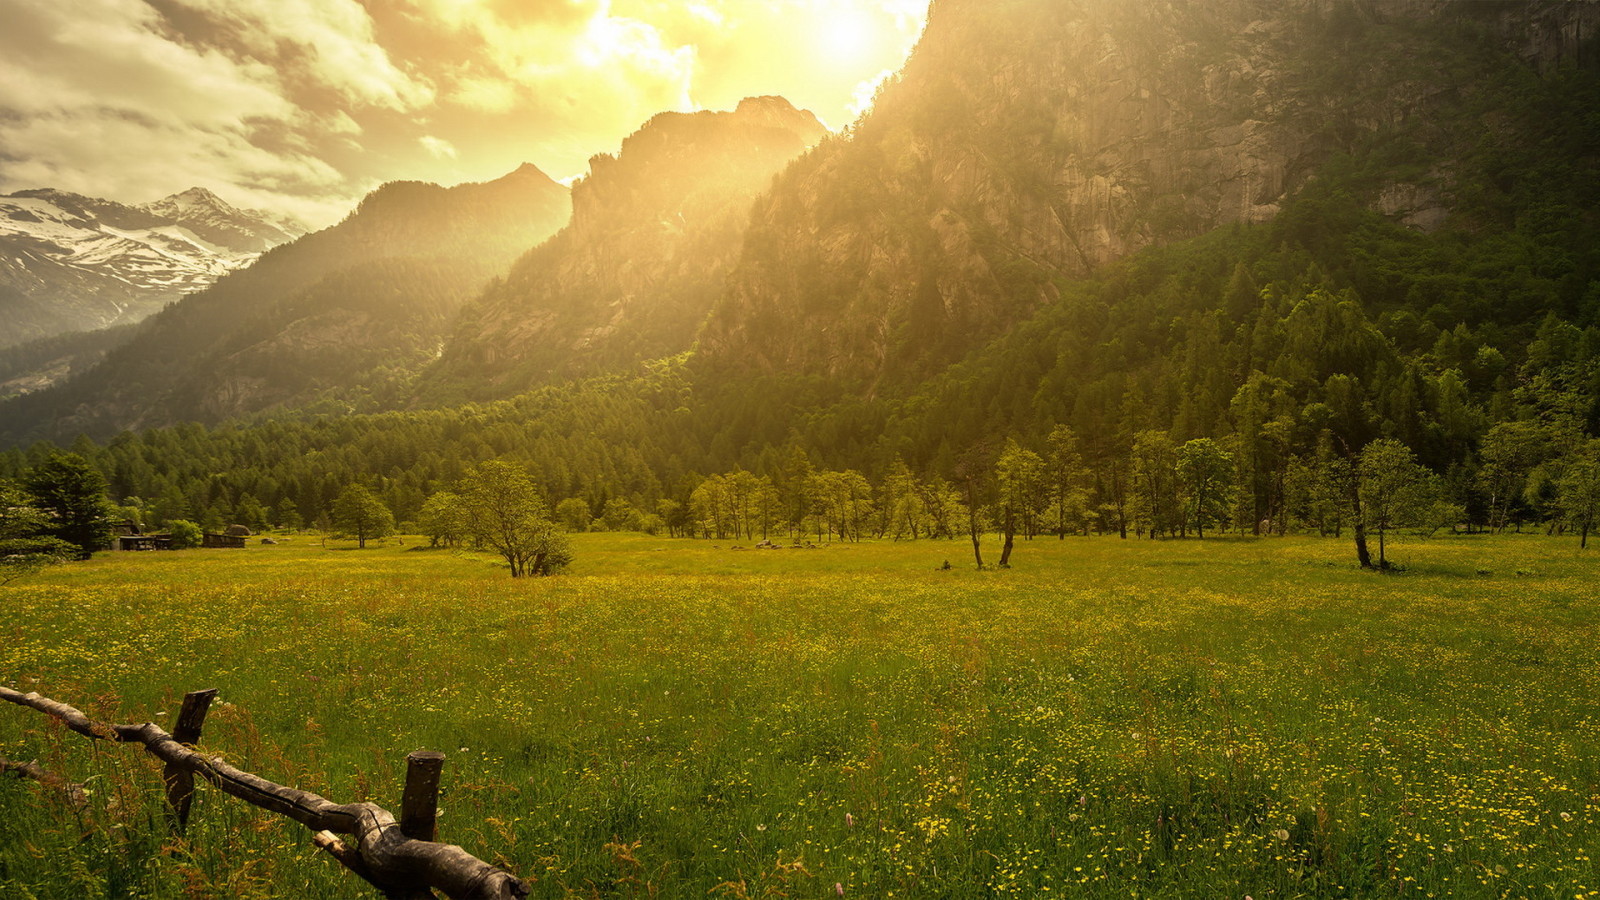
1027 142
654 230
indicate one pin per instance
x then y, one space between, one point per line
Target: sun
846 37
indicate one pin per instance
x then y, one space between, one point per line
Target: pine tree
72 496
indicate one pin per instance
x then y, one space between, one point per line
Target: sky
302 106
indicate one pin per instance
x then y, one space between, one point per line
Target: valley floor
679 719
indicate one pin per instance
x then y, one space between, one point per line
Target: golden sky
301 106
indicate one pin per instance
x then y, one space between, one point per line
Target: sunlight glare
846 37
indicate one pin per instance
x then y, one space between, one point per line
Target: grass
679 719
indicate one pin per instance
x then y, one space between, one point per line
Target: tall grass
679 719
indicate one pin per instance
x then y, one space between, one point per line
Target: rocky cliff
1031 141
654 230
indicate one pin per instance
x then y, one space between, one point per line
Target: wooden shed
144 542
222 540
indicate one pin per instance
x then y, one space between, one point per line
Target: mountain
334 318
75 263
654 230
1029 143
206 215
1290 228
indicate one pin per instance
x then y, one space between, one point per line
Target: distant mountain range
338 319
75 263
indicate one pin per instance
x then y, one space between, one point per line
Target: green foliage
1580 490
503 511
358 513
71 496
186 535
1205 471
1394 489
573 514
443 520
21 557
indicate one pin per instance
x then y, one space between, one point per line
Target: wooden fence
401 859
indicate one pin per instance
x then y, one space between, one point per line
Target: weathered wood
388 854
179 781
419 805
32 771
329 843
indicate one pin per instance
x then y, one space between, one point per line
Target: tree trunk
1383 561
977 552
1005 549
1362 553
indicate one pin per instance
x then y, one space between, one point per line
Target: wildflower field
1226 718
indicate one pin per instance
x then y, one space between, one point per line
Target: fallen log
392 860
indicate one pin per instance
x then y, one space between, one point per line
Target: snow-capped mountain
75 263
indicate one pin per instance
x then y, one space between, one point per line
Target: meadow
673 718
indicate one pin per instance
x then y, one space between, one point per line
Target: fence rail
401 859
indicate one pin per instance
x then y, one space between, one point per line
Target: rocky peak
214 219
679 163
653 231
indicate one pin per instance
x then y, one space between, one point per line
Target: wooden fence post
419 805
180 781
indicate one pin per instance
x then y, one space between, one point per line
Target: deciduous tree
1580 491
1395 490
359 514
506 514
1205 470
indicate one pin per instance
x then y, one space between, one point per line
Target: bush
186 535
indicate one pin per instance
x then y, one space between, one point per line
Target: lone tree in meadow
504 512
358 513
1393 490
1206 471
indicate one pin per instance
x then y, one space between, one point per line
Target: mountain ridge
387 280
69 262
654 228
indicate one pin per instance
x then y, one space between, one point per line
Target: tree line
1233 381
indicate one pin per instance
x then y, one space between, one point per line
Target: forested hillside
337 320
1298 233
654 231
1029 142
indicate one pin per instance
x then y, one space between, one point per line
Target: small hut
144 542
225 540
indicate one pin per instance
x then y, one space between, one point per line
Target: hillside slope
1028 142
333 318
654 230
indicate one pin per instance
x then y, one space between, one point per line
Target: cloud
300 106
329 42
438 148
100 99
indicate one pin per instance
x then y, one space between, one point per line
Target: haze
302 106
